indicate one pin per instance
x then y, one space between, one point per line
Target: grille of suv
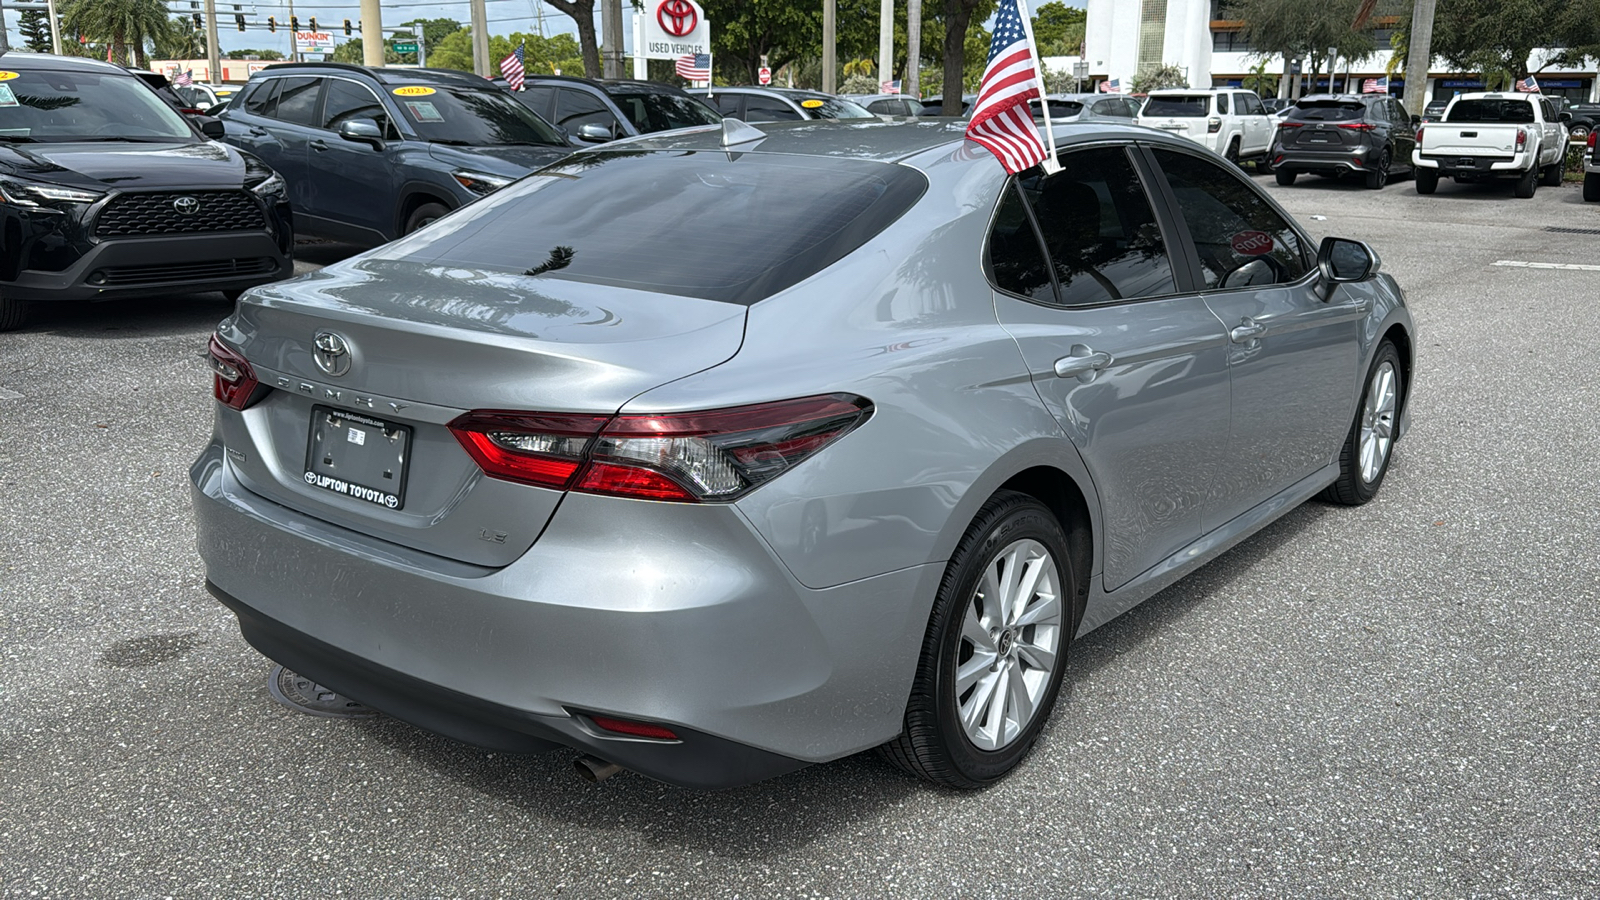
196 271
149 214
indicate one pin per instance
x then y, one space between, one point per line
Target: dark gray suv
370 154
594 112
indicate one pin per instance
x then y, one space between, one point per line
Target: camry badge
186 205
332 353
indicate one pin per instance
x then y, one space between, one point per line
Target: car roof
24 60
1339 98
608 85
788 93
864 99
381 74
1178 92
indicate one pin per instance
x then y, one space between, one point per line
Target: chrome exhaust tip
594 769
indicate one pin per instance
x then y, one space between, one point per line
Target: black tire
1527 184
1353 488
1427 181
1232 153
1591 186
424 215
934 745
13 314
1552 174
1578 133
1377 178
1286 178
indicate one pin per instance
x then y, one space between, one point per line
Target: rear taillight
1357 126
1419 136
1522 140
1591 139
1291 124
631 728
697 457
233 381
1213 125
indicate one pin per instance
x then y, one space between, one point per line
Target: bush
1154 79
1574 167
859 84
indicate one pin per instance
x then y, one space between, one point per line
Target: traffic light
346 27
294 23
272 24
199 23
313 23
238 19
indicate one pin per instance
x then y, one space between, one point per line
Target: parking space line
1518 264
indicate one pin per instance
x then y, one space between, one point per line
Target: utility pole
611 38
913 85
5 40
213 48
830 56
480 39
1420 57
371 33
294 39
55 28
885 43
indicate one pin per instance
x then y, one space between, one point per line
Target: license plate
358 456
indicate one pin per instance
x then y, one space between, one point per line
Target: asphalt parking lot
1398 700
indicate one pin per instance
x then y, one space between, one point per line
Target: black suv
766 104
593 112
371 154
1335 134
107 192
1585 116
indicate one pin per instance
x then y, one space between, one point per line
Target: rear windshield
45 106
1059 109
1182 107
1510 112
730 227
1328 112
832 108
476 118
661 112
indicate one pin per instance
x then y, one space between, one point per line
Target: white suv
1231 122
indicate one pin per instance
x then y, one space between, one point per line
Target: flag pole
1051 163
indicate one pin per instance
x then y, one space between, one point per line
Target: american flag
1375 85
1001 121
1114 86
889 87
511 68
1529 86
183 78
694 66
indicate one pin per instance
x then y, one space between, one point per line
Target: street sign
764 75
674 28
405 46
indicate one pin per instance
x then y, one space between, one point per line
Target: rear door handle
1083 361
318 145
1247 330
258 132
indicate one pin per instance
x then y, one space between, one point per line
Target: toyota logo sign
187 206
677 17
332 353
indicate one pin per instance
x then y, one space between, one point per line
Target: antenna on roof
736 132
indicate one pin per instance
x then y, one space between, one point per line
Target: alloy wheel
1377 422
1010 644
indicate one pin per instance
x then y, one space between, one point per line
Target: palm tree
178 39
125 25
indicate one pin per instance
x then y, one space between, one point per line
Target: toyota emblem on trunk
332 353
186 205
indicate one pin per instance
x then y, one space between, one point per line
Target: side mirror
211 128
362 131
1416 121
1342 261
595 133
1566 117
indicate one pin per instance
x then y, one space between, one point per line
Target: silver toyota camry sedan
717 453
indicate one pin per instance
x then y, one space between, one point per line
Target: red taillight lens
1522 140
696 457
634 729
1591 139
1291 124
544 450
1357 126
233 381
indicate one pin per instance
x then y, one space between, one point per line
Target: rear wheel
1579 133
1427 181
1286 178
424 215
1364 460
1552 174
1232 153
1379 176
1591 186
13 314
1527 184
995 649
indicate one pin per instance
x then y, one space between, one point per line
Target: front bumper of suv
673 614
136 267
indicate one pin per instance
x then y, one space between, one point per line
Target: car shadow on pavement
138 317
811 804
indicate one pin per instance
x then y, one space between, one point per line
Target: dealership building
1123 37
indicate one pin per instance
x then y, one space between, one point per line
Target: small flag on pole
1529 86
1375 85
694 66
511 68
1001 121
183 78
889 87
1114 86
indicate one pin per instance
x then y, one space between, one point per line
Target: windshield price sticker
811 104
7 76
413 91
423 111
6 97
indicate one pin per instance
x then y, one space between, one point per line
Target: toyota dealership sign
674 28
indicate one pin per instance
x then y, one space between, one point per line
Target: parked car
1276 105
934 106
1337 134
593 112
1591 170
1486 137
371 154
1230 122
159 83
888 104
1583 121
1434 111
1108 108
752 448
107 192
764 104
196 95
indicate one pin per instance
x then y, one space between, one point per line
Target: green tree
35 28
1296 29
253 54
541 55
1497 37
1157 77
434 32
178 40
1059 29
743 31
582 14
351 51
126 25
959 53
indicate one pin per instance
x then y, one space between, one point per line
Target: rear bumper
1475 166
1347 159
137 267
667 613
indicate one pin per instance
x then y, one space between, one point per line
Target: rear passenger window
297 100
1098 229
1015 256
762 109
259 101
1240 238
1222 104
538 99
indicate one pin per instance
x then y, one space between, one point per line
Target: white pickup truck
1493 136
1230 122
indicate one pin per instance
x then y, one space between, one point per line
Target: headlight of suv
272 184
39 195
260 177
480 183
